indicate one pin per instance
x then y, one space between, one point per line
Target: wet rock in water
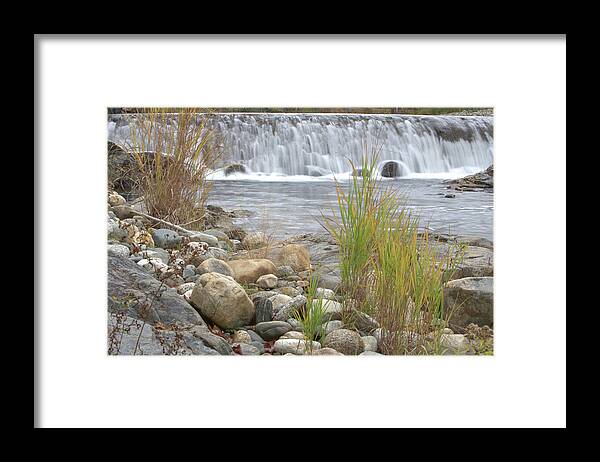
130 336
287 310
450 196
369 343
247 271
132 290
477 182
165 238
118 250
234 168
470 300
209 239
222 300
345 341
264 310
214 265
272 330
293 255
255 240
293 346
391 169
267 281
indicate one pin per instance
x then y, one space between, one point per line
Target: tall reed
389 268
174 152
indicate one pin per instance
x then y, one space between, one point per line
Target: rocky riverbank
224 291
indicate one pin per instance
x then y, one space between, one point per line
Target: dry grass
174 154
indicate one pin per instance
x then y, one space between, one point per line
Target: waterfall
323 144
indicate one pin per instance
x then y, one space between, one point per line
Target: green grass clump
312 316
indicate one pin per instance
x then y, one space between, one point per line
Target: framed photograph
372 230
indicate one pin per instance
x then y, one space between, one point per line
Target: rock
264 310
132 290
391 169
450 196
455 344
118 250
293 346
272 330
332 310
370 353
326 352
155 253
261 295
130 336
247 271
123 211
255 337
211 340
245 349
364 323
329 281
183 288
214 265
267 281
215 252
255 240
114 231
222 300
330 326
259 346
324 293
294 335
212 241
116 199
188 272
470 300
241 336
476 182
293 255
284 271
345 341
296 325
287 310
278 301
165 238
369 343
234 168
289 291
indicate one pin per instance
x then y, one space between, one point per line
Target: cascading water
322 144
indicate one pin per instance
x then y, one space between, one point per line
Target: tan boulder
293 255
248 271
223 301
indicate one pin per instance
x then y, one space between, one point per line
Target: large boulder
248 271
345 341
293 255
470 300
222 300
134 291
130 336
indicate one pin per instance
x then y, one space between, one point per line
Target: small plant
312 315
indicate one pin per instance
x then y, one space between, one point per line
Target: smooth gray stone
272 330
